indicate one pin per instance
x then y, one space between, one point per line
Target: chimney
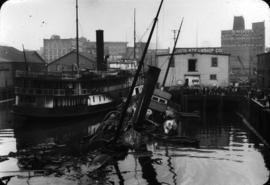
101 64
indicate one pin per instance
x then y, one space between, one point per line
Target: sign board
199 50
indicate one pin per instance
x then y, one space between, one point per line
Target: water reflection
228 153
170 165
148 171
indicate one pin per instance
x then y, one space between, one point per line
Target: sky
28 22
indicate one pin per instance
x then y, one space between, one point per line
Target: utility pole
172 53
174 35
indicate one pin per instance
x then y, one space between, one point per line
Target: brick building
56 47
243 45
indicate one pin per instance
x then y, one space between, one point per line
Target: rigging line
161 66
147 29
81 28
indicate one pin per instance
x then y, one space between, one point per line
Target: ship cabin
160 100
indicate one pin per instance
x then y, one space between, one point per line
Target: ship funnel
101 63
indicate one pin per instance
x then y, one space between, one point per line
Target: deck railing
67 92
52 92
68 75
46 75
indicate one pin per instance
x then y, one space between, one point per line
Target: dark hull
64 112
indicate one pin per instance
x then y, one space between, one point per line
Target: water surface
228 153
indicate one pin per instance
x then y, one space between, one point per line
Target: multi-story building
56 47
195 66
263 70
243 45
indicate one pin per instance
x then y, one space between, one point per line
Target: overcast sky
28 22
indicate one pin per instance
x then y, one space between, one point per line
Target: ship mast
134 52
26 67
123 112
77 39
171 57
25 61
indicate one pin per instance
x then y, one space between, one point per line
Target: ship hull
63 113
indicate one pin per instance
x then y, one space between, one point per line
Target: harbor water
229 153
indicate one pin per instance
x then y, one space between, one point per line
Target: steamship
65 95
68 94
71 93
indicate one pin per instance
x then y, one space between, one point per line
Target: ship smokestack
101 63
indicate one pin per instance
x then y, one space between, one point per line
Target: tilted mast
123 113
171 57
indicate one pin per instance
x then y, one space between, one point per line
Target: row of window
99 98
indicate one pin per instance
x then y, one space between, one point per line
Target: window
192 65
162 101
154 98
214 62
213 77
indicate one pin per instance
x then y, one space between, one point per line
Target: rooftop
10 54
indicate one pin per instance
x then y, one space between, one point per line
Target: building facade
263 70
56 47
243 45
12 60
195 68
